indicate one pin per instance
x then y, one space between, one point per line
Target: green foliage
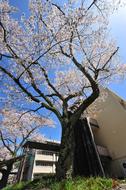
83 184
18 186
78 183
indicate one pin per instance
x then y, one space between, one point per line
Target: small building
40 159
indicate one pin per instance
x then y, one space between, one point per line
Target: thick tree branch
87 102
59 8
93 3
79 66
98 70
12 52
93 83
31 110
50 84
53 109
109 59
3 141
35 86
25 138
7 56
80 93
19 85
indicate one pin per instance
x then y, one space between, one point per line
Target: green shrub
83 184
18 186
79 183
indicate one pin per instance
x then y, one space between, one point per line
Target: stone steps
120 187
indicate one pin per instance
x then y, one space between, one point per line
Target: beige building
111 133
44 162
40 159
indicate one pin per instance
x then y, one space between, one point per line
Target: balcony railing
102 150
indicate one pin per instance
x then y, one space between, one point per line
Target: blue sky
118 31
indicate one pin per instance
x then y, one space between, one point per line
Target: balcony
103 151
94 125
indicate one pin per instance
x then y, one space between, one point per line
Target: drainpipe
96 150
22 165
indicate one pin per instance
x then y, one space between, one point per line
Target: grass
18 186
78 183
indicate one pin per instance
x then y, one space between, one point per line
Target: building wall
112 131
117 169
45 168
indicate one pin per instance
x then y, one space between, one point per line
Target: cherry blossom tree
57 56
15 130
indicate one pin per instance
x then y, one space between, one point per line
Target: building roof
118 98
53 146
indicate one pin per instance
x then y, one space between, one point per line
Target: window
41 163
38 175
124 164
57 156
123 104
43 152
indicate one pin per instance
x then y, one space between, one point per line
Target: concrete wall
112 130
44 169
117 168
44 157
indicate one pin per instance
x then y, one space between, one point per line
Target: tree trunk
78 155
86 159
5 175
64 168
